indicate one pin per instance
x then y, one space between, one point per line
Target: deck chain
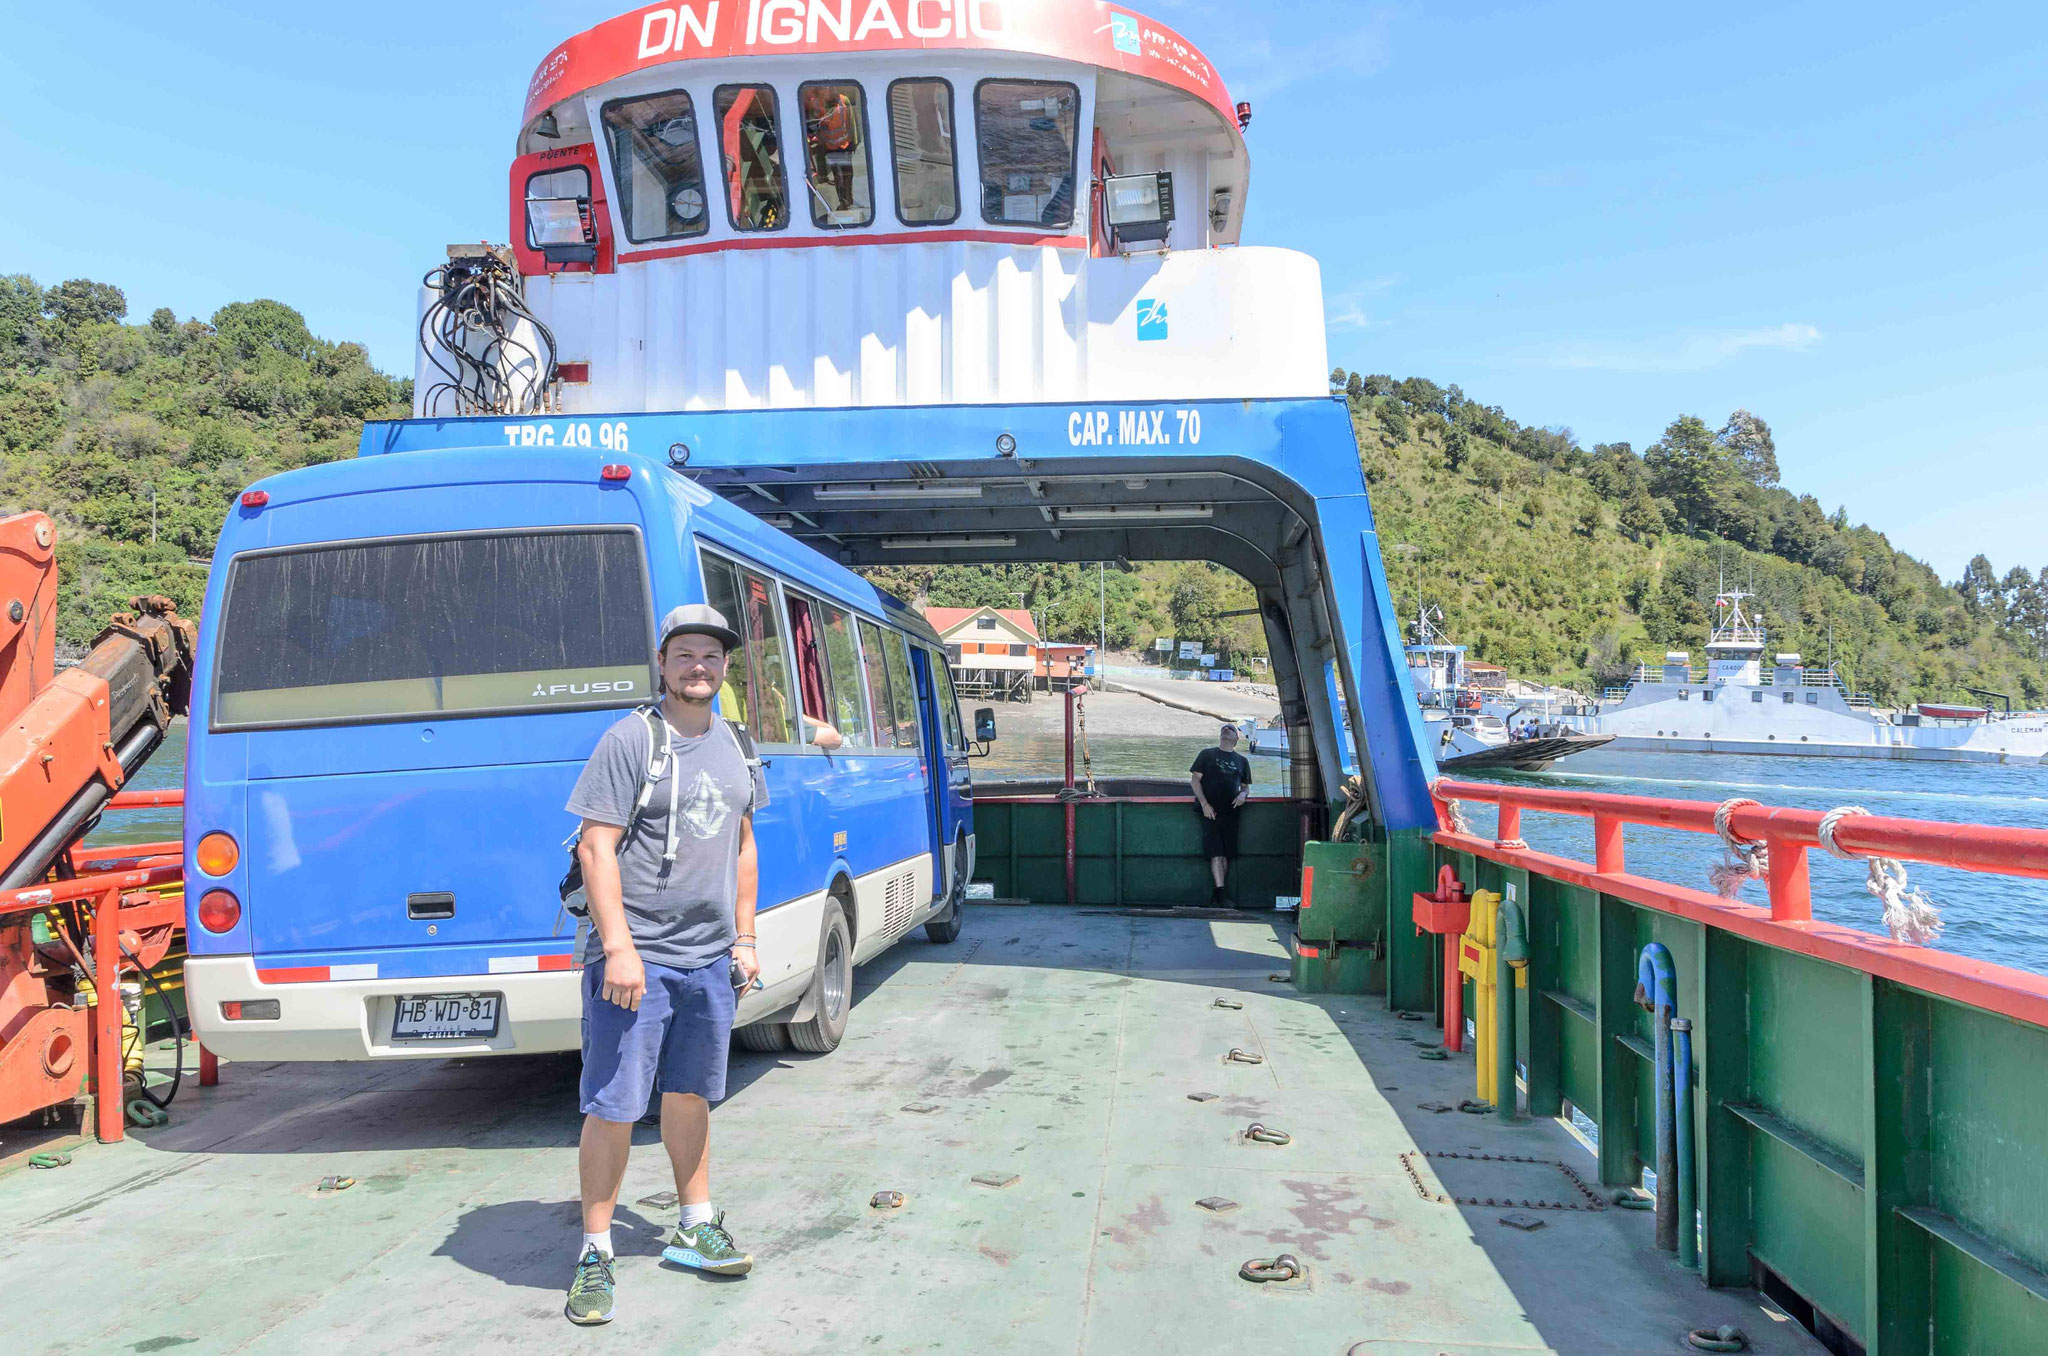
1591 1201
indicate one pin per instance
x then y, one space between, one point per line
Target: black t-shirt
1223 776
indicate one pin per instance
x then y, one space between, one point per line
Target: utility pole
152 515
1101 613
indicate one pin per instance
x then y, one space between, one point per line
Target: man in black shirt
1221 778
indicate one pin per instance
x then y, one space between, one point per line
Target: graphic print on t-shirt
703 810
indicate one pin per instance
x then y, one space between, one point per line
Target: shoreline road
1220 701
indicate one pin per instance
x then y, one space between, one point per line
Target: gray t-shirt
683 916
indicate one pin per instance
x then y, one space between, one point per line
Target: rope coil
1742 860
1909 915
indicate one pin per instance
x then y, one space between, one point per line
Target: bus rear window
467 625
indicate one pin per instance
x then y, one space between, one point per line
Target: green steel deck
1059 1045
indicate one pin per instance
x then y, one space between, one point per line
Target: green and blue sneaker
708 1247
590 1294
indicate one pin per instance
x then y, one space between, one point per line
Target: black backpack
571 886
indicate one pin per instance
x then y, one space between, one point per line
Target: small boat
1939 711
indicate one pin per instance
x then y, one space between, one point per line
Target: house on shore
995 652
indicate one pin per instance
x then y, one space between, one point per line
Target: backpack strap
745 742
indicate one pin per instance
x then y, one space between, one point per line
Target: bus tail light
216 854
616 473
219 911
251 1010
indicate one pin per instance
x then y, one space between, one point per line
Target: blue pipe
1681 1084
1657 990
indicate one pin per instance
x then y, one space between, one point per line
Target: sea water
1995 918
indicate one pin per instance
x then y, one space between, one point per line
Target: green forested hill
136 438
1547 558
1552 560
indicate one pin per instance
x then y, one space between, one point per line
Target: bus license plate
445 1017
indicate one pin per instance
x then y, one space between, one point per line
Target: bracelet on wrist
744 946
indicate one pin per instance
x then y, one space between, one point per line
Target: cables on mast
494 356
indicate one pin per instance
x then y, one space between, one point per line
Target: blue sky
1594 216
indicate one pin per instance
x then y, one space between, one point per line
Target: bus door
939 718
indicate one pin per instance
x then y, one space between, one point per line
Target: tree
1194 604
250 327
80 302
21 302
1591 519
1691 469
1336 380
1979 585
1532 507
1748 440
1640 516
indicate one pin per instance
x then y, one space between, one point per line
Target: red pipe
1970 847
1454 995
1071 895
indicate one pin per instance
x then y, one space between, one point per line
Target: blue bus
407 660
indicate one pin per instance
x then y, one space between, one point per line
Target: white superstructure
1735 704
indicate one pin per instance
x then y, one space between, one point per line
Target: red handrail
1970 847
1789 921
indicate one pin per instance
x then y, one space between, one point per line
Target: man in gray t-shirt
669 875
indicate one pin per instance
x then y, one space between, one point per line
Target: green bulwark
1878 1151
1142 852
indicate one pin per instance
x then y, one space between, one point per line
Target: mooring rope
1741 860
1909 915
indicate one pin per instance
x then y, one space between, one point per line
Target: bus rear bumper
352 1019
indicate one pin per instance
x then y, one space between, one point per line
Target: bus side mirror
984 724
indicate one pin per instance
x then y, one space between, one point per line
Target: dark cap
697 619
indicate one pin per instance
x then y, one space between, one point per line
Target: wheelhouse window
921 144
836 168
475 624
750 148
1026 132
658 166
558 208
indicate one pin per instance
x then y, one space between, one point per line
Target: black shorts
1219 835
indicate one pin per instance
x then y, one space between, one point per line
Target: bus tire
831 987
944 926
766 1037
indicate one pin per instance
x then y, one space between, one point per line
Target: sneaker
708 1247
590 1294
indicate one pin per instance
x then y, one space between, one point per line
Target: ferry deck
1057 1046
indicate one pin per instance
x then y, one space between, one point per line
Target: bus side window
878 684
722 591
949 701
774 713
902 696
812 682
849 708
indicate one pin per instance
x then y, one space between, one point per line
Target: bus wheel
766 1037
944 926
831 988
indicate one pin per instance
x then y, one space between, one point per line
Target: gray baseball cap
697 619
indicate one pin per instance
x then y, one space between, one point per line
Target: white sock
602 1242
694 1215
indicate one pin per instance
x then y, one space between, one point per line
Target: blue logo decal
1123 31
1151 319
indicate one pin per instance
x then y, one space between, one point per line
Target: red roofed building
994 651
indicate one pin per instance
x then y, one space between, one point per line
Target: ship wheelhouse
742 204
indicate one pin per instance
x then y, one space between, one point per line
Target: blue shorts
677 1040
